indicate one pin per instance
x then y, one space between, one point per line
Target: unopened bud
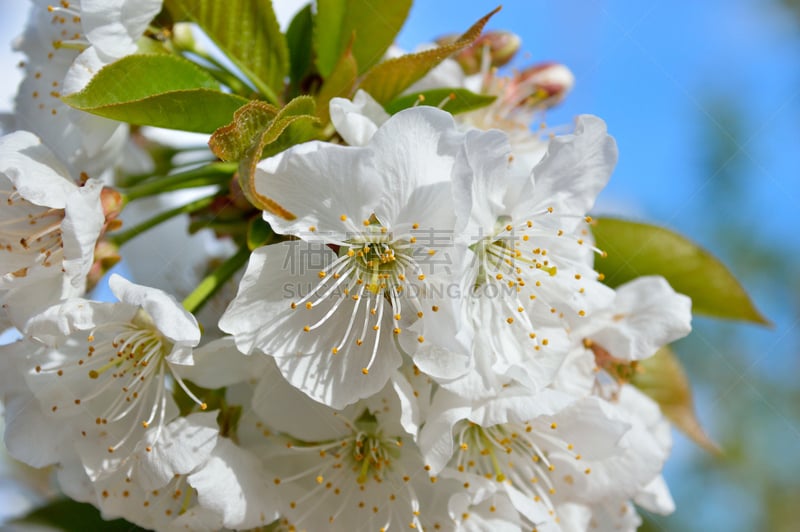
111 201
501 47
549 83
182 36
106 255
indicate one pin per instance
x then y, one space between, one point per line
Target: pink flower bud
501 46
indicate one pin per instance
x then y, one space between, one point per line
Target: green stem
222 74
215 280
211 174
123 236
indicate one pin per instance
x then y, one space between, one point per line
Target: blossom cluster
422 342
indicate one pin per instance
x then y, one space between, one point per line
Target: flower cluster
419 338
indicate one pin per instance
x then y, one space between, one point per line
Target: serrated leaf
636 249
72 516
231 142
157 90
259 131
454 100
299 38
247 31
372 24
662 378
339 83
385 81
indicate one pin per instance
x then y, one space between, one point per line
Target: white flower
103 369
332 319
645 315
49 225
530 277
539 450
189 478
66 43
354 469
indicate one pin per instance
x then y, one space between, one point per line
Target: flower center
513 453
31 233
370 277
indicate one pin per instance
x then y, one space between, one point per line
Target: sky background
704 102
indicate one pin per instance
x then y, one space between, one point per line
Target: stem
212 174
122 237
215 280
218 70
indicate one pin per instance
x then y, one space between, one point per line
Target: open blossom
354 469
645 315
49 224
530 262
102 369
539 451
333 319
66 43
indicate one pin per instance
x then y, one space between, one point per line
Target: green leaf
157 90
259 233
662 378
455 100
299 38
387 80
258 131
72 516
373 23
636 249
249 35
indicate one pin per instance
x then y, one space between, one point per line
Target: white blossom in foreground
354 469
333 319
49 224
104 370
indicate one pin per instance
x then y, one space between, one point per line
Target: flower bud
112 203
548 83
182 36
501 46
106 255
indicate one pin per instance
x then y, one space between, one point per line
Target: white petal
83 221
357 120
115 26
234 485
574 170
82 71
220 363
33 437
318 183
169 316
286 409
414 154
34 170
648 314
178 448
